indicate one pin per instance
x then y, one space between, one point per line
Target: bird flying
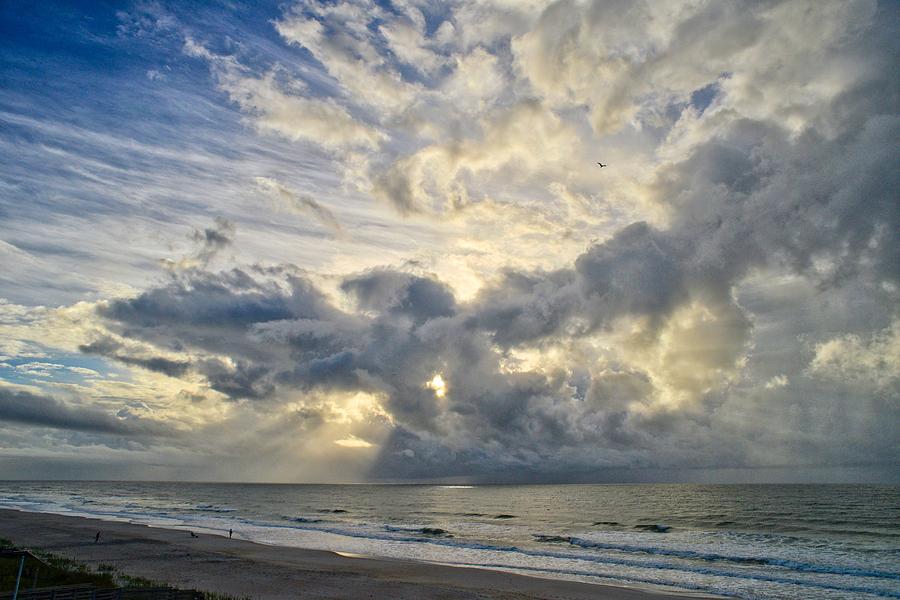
601 165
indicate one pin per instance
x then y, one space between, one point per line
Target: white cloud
776 382
477 81
296 117
435 178
341 41
408 43
872 362
620 60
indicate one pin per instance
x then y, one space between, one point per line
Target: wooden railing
88 592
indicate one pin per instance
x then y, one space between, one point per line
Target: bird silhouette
601 165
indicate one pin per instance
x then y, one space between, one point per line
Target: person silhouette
97 538
230 531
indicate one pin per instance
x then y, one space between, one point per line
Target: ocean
744 541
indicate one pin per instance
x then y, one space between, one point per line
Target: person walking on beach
97 538
230 531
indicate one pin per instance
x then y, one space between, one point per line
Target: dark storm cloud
637 272
789 201
110 348
413 332
230 300
43 411
786 203
398 293
216 313
172 368
818 203
244 379
526 306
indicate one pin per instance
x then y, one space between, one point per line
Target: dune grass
58 571
62 571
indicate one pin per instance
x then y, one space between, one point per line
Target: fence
88 592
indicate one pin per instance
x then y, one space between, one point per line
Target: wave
656 528
718 562
626 562
431 531
753 560
682 584
210 508
304 519
650 550
579 573
552 539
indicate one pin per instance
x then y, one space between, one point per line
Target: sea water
745 541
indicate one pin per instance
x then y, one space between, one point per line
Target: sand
242 568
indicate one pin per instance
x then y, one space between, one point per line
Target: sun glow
352 441
438 385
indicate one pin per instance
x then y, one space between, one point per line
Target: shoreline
242 568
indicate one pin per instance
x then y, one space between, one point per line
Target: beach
241 568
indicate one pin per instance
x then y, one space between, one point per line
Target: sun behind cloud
437 384
352 441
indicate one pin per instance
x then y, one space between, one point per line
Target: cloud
381 291
724 294
431 179
777 382
410 328
44 411
296 117
40 369
627 61
477 81
408 42
210 242
299 203
109 347
850 359
338 37
614 360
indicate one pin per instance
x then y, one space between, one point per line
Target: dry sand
241 568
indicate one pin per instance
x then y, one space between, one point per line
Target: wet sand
246 569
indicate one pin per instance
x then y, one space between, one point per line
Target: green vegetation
61 571
126 580
58 571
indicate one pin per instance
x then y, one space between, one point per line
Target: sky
371 241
